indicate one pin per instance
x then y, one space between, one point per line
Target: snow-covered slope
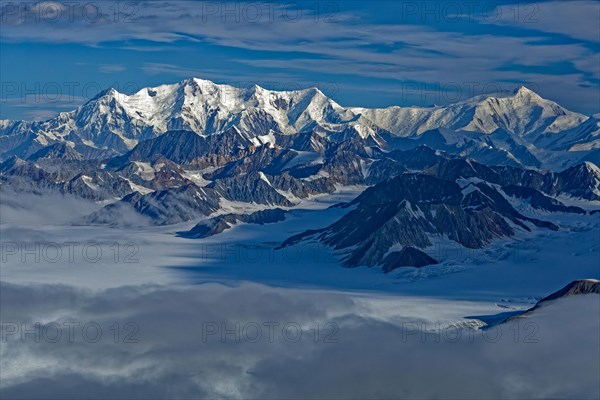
541 130
522 113
585 136
119 121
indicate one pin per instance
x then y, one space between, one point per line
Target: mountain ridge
118 122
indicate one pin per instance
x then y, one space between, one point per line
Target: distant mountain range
522 129
471 172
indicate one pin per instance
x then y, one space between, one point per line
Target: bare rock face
250 188
302 188
407 257
540 201
216 225
188 148
57 151
575 288
411 208
169 206
582 286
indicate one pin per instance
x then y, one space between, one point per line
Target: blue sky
55 56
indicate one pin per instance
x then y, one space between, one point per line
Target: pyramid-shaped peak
315 91
256 89
110 92
524 91
200 81
204 85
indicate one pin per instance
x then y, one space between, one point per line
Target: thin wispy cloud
110 68
541 43
574 19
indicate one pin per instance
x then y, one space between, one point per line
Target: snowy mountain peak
524 92
106 93
201 82
117 121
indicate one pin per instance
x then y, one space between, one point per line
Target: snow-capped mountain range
214 156
522 122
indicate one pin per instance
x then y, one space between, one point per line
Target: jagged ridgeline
470 172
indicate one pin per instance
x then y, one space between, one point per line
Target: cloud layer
372 356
